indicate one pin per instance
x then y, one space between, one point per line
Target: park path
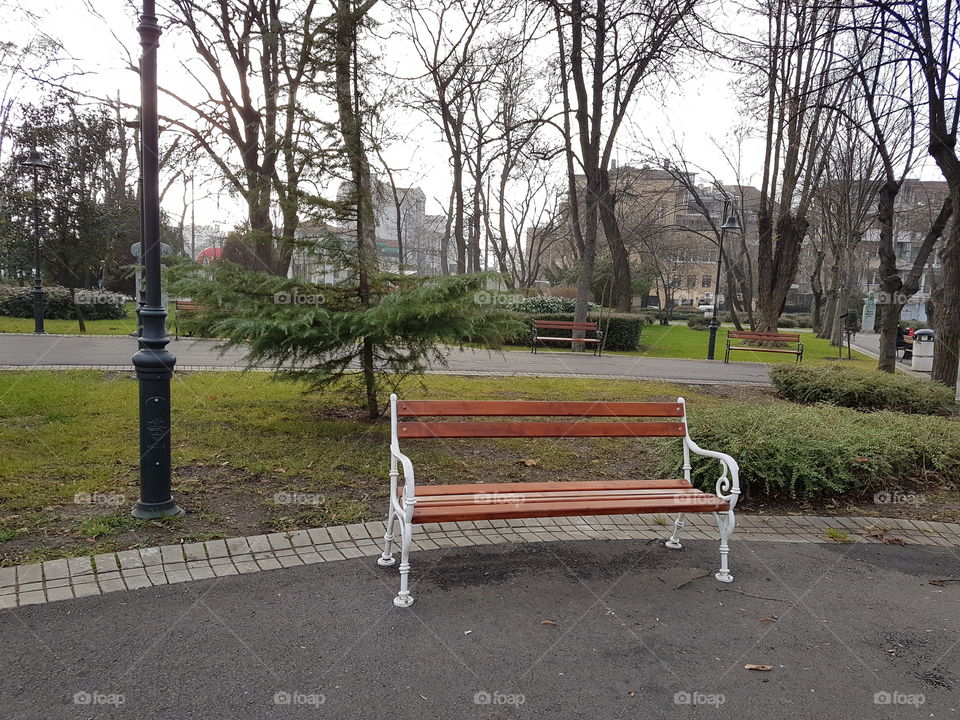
114 352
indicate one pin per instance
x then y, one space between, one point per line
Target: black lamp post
154 363
730 223
36 163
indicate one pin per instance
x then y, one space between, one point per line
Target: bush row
863 390
621 330
58 305
547 305
795 451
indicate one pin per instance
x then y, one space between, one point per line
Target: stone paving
77 577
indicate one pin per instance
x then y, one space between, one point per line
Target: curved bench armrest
728 485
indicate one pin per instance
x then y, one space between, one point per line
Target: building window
691 281
706 281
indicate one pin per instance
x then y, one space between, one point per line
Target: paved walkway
613 629
133 569
113 353
869 344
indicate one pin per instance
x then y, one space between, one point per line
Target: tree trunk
947 338
778 261
622 298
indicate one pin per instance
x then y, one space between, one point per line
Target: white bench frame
402 506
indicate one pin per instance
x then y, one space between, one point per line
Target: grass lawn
680 341
122 326
244 445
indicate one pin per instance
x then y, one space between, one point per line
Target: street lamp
730 223
154 363
36 163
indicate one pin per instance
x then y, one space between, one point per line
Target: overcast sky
698 111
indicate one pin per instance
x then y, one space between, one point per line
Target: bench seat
502 501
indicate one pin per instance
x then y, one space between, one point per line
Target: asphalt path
598 629
116 351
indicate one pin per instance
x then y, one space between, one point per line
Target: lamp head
34 160
731 223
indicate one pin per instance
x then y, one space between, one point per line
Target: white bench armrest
728 485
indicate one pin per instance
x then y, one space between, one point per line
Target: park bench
540 326
763 337
412 504
184 306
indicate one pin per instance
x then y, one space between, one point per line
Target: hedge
623 332
58 305
796 451
541 305
863 390
699 323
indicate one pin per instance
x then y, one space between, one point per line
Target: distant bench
764 337
184 306
542 325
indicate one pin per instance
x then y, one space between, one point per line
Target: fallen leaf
529 462
632 693
894 541
769 619
758 667
547 622
940 582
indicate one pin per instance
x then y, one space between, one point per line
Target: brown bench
764 337
542 325
411 504
184 306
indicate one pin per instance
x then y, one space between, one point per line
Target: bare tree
607 52
255 62
799 83
925 35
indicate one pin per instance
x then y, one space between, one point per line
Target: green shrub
798 320
58 305
621 330
542 305
699 323
794 451
862 390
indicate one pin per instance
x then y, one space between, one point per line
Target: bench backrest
767 336
563 325
672 419
188 305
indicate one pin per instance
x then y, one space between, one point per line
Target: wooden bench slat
762 349
687 503
565 339
564 324
550 485
437 408
415 430
513 498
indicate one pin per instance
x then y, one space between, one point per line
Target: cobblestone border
70 578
